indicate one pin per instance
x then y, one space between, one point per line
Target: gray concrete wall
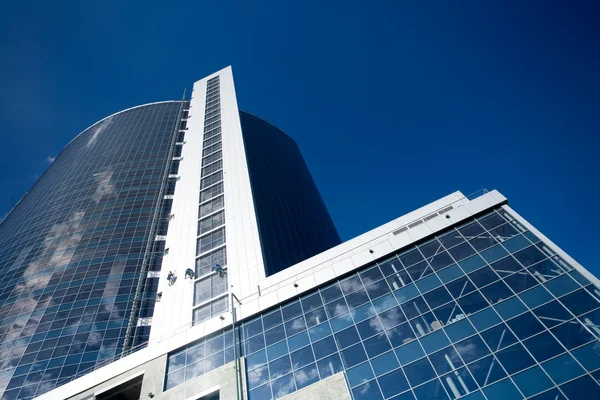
332 388
222 379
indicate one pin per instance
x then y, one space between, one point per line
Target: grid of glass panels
485 310
210 285
71 251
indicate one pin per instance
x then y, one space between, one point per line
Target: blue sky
393 104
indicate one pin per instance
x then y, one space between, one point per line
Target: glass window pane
498 337
315 317
429 283
292 310
562 368
393 383
484 319
368 391
582 388
409 352
514 358
274 335
369 327
376 345
572 334
431 391
351 284
493 254
410 258
331 292
283 386
561 285
336 307
306 376
471 349
445 360
371 275
311 302
277 350
460 287
392 317
459 330
491 221
384 363
354 355
532 381
302 357
347 337
450 273
324 347
530 256
451 239
406 293
437 297
472 303
329 366
357 298
543 346
272 319
257 377
535 296
400 334
419 371
525 325
486 371
552 314
459 383
341 322
295 325
363 312
580 302
504 390
414 307
434 341
520 281
360 374
280 367
509 308
319 332
589 356
298 341
496 292
377 289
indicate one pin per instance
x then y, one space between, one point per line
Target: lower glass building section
484 311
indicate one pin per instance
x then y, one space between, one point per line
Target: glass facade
293 222
210 287
483 311
71 252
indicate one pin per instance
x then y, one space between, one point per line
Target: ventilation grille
419 222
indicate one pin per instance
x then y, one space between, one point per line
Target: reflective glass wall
484 311
72 249
293 222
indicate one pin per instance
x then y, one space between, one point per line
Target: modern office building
168 186
461 298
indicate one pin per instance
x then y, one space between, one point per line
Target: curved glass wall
71 251
293 222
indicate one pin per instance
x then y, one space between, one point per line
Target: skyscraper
156 188
228 279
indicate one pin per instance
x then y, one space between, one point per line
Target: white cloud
97 130
50 160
